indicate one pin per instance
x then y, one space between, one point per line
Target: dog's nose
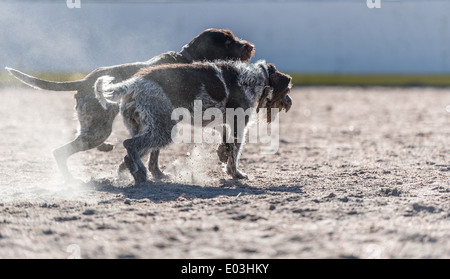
249 47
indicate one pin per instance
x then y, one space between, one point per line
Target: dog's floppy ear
279 81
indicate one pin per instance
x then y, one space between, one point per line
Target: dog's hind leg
153 165
137 169
139 146
61 154
95 128
135 147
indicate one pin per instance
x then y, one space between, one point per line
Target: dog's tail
105 91
45 84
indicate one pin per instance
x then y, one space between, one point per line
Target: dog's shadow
169 191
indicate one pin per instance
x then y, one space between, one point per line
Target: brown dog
96 122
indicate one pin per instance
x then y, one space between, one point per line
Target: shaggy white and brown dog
150 96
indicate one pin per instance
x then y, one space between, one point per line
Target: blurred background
404 42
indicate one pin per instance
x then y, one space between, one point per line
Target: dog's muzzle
247 50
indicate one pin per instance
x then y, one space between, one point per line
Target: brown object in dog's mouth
281 101
286 103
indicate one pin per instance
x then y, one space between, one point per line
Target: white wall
303 36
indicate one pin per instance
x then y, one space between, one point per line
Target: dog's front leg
222 151
233 150
233 139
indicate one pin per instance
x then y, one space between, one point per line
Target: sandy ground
360 173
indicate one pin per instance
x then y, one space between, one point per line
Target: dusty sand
360 173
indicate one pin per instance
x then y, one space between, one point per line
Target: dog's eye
229 39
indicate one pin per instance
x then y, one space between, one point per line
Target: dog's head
275 95
213 44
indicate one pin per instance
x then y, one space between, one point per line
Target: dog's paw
146 182
237 174
140 177
105 147
240 175
160 176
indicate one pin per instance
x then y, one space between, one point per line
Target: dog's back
183 82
